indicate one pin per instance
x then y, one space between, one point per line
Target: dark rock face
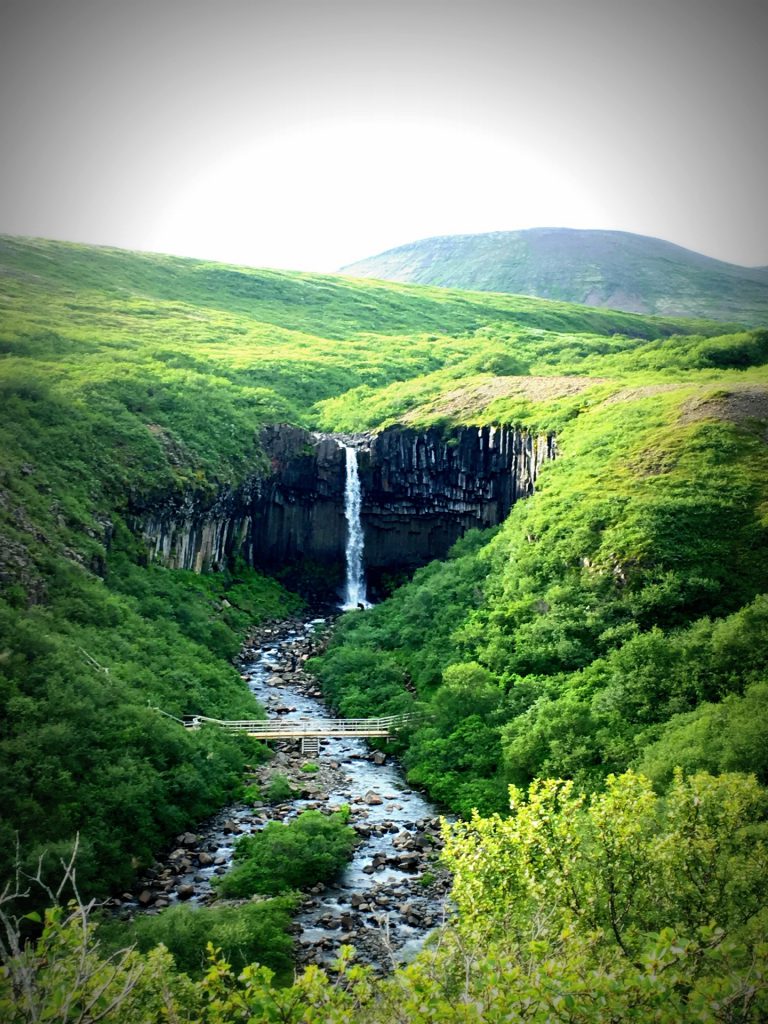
195 531
299 509
421 490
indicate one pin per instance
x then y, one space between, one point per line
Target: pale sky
307 134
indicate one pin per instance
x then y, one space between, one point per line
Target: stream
392 893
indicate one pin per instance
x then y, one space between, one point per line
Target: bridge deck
302 727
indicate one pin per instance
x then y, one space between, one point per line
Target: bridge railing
272 728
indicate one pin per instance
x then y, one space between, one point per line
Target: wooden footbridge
309 731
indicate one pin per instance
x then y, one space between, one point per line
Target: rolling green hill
126 375
616 622
128 378
614 269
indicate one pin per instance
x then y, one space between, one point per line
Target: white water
354 590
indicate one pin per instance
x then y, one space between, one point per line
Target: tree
662 902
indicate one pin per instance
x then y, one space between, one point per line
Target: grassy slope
601 268
616 618
127 375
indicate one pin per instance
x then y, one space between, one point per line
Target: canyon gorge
419 492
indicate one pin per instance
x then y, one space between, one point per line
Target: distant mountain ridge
614 269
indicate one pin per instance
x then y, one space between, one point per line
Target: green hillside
614 269
613 629
128 378
616 619
127 374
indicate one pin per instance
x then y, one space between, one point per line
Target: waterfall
354 590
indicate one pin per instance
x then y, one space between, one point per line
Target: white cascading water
354 591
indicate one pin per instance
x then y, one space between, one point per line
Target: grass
130 381
604 268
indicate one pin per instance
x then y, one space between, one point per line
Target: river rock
408 861
145 897
357 913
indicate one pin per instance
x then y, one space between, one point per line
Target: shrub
251 932
252 794
278 790
281 857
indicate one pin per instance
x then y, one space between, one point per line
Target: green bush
282 857
279 790
253 932
727 737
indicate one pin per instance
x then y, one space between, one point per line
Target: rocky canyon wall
421 490
197 531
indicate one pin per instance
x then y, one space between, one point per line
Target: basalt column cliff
421 490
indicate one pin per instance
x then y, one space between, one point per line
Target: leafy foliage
650 900
288 856
82 744
279 789
244 934
727 737
623 907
